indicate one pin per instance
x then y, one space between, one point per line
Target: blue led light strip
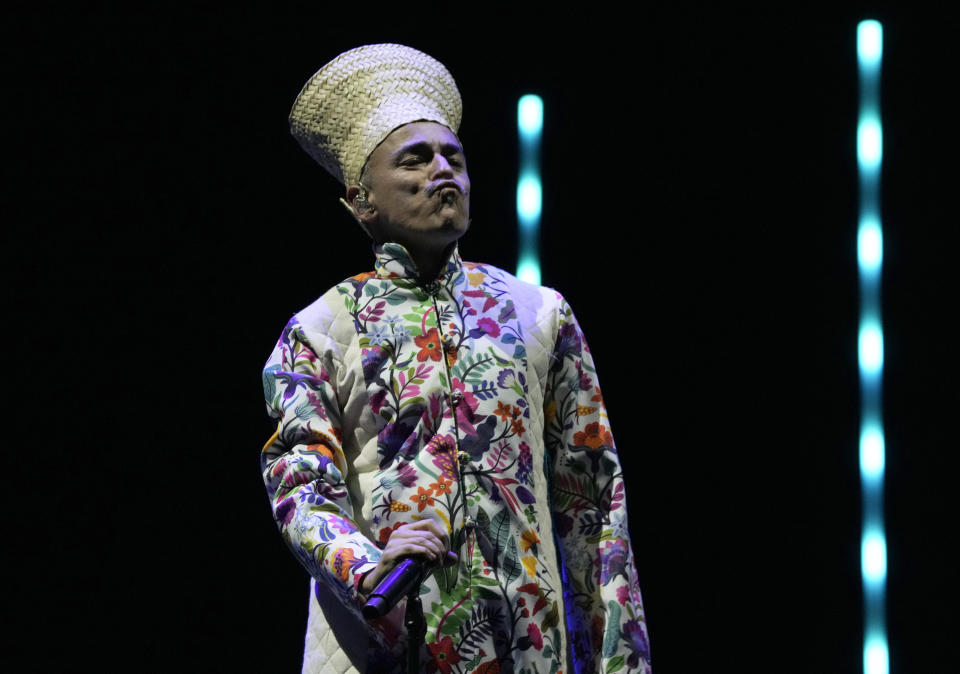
873 542
529 190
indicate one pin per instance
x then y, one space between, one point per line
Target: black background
700 215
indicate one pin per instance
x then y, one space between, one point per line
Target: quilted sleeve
304 468
605 615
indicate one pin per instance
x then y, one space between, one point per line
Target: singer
440 410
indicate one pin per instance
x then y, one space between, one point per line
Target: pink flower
536 638
489 326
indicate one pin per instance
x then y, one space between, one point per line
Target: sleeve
605 617
304 468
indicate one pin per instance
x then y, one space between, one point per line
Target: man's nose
441 167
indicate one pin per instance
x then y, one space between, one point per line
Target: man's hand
425 539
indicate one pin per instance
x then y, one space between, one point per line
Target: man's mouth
440 187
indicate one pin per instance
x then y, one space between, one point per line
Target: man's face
419 190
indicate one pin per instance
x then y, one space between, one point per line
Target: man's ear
360 208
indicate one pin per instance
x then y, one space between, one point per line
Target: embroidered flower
636 638
401 334
502 411
529 539
386 532
536 638
594 436
430 346
407 475
379 334
442 447
423 498
489 326
441 486
506 379
613 560
342 560
444 655
524 463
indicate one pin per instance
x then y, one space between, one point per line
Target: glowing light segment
872 454
873 541
869 143
871 349
869 246
529 188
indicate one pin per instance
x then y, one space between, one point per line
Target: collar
394 261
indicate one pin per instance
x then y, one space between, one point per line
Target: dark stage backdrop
700 215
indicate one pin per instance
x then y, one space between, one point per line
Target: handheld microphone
403 579
393 587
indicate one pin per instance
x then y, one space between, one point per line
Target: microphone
393 587
402 579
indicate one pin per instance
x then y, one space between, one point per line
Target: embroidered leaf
511 565
615 665
483 620
507 312
500 534
395 298
370 289
453 621
552 619
612 637
525 496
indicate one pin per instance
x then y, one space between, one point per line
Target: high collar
394 261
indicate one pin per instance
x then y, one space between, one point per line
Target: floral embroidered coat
472 401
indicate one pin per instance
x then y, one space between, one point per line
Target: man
443 410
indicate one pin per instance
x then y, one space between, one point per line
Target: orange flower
502 411
423 498
528 539
341 563
594 436
430 346
517 425
321 448
441 486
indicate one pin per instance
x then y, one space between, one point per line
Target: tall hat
351 104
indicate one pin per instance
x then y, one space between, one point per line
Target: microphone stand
404 580
416 626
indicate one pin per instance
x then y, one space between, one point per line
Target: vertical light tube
873 544
529 190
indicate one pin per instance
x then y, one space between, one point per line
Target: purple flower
407 475
636 639
524 463
568 341
613 560
506 379
489 326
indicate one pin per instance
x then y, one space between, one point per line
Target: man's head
414 188
355 101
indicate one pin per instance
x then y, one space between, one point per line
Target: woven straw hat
351 104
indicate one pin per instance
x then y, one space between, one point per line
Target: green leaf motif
612 637
510 563
616 664
395 299
453 621
500 533
552 618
